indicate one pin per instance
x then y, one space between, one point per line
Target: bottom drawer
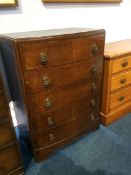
9 160
119 98
44 152
53 135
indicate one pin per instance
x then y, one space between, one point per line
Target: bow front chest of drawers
117 81
10 162
55 80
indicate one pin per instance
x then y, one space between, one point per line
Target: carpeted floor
104 152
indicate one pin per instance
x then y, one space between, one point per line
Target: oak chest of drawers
55 79
116 100
10 162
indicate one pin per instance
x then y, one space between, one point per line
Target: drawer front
53 77
39 54
121 64
6 133
58 117
52 136
9 160
119 98
120 81
3 106
62 97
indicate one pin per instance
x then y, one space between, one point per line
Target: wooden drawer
53 77
62 97
58 117
52 136
119 98
9 160
121 64
59 51
6 133
120 81
3 105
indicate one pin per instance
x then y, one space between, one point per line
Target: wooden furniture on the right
116 100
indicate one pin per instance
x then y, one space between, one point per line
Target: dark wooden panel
9 160
6 133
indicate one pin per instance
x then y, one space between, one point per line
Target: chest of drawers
55 80
117 81
10 162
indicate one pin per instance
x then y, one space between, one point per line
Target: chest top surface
51 33
118 48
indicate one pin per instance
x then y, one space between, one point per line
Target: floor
106 151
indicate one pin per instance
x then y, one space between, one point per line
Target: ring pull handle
48 103
94 49
50 122
125 64
43 58
93 103
93 69
123 81
93 86
46 82
92 117
122 98
51 137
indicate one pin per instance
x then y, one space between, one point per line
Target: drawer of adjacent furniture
121 64
9 160
53 77
55 118
119 98
39 54
6 133
50 100
52 136
121 80
3 105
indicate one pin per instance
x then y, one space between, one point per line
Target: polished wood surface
117 81
10 162
57 82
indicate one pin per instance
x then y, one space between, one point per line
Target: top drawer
43 53
121 64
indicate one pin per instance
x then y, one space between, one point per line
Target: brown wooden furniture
55 79
117 81
10 162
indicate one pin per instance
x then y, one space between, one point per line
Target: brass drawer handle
123 81
48 103
93 86
43 58
94 49
46 81
93 103
93 69
51 137
92 117
125 64
121 98
50 122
